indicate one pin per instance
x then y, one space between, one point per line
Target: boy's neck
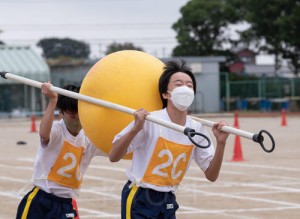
73 133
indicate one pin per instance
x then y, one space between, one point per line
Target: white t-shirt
166 160
69 163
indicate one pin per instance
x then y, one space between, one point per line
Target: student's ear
165 95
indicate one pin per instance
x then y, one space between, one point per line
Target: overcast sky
146 23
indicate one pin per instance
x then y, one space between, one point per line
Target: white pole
94 101
228 129
187 131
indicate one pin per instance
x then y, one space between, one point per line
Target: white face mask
182 97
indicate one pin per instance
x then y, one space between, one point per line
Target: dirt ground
263 185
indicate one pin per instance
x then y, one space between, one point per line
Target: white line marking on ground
261 175
229 196
103 179
107 168
92 191
221 211
259 166
13 179
97 214
256 185
16 167
30 160
10 194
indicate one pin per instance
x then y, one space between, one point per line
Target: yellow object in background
128 78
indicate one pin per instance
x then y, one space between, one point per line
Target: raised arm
47 120
213 170
119 147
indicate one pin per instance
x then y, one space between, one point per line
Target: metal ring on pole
260 139
191 133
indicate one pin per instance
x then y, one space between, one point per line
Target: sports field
264 185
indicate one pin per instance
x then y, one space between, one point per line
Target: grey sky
146 23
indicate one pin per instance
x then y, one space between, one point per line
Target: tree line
273 28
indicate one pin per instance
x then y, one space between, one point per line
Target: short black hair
65 103
170 68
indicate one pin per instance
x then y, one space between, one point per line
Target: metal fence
264 94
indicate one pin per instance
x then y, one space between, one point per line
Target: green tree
290 22
275 28
114 47
200 30
265 26
60 51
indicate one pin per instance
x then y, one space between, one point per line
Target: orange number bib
168 163
65 170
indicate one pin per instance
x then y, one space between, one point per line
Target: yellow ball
128 78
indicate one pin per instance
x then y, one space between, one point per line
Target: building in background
16 98
245 64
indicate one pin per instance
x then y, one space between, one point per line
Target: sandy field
263 185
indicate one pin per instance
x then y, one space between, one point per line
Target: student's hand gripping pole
185 130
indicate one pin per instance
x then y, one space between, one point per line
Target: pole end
188 130
260 139
3 73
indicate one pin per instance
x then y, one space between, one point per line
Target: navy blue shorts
141 203
38 204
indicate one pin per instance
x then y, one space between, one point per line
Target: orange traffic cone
236 121
74 203
33 125
283 118
237 151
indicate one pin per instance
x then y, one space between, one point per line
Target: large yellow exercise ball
128 78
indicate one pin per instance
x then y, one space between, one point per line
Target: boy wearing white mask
162 156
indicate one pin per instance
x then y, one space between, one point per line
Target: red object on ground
283 118
33 125
236 120
237 151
